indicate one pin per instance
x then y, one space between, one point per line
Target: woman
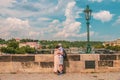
58 60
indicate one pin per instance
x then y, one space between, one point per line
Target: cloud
45 22
6 3
95 0
44 19
36 11
28 7
71 27
105 37
14 27
117 22
104 16
33 24
13 22
54 27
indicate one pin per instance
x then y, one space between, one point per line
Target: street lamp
88 12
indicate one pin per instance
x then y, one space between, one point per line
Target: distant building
74 49
3 45
112 43
31 44
17 39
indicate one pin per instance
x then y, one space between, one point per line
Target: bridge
43 63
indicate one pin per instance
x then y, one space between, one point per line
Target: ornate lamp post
87 12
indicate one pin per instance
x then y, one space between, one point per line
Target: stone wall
43 63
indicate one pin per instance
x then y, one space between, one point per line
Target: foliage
28 49
2 41
115 48
13 45
68 44
28 40
8 50
20 50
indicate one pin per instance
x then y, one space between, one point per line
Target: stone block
108 57
89 64
44 57
73 57
23 58
47 64
27 64
74 66
116 63
105 63
5 58
85 57
118 57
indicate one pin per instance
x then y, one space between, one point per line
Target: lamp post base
88 49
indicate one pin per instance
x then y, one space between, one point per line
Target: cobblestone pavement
67 76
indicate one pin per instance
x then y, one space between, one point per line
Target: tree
8 50
28 49
13 44
115 48
3 49
20 50
2 41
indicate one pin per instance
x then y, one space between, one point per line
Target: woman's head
59 44
57 47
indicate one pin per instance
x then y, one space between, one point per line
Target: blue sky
59 19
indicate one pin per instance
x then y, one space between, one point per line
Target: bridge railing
51 51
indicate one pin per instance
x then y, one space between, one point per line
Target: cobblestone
67 76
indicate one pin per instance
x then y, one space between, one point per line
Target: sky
59 19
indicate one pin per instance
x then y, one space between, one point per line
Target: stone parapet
43 63
87 57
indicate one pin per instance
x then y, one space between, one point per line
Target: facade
112 43
74 50
31 44
17 39
3 45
